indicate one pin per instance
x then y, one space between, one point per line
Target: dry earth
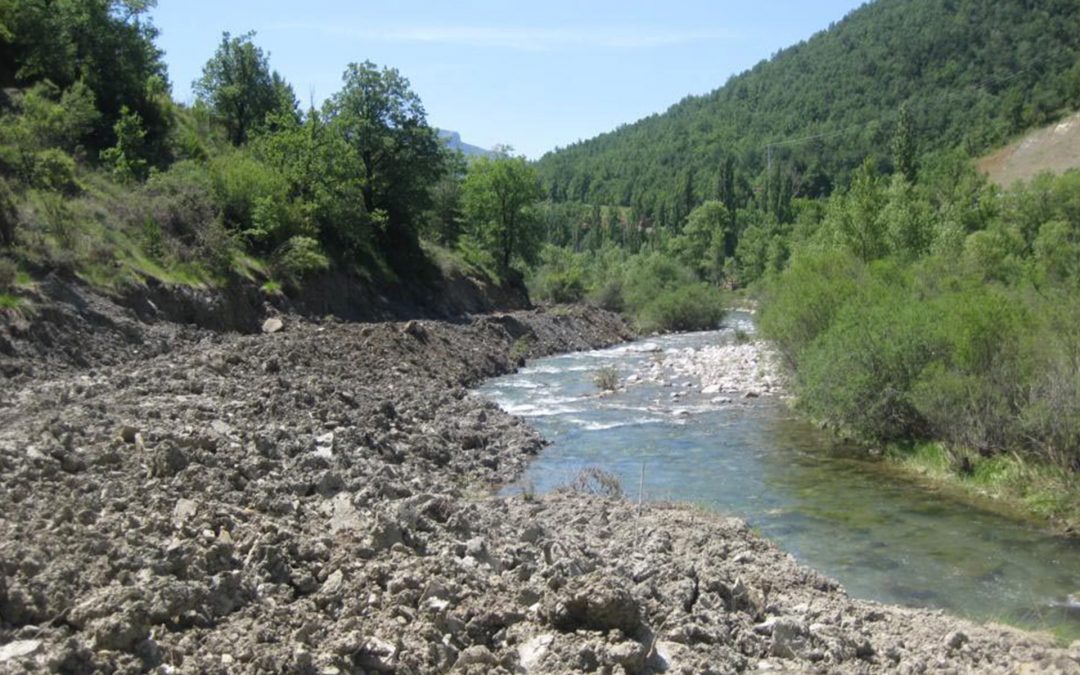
317 500
1055 148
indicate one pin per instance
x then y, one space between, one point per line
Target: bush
595 481
9 274
54 170
860 372
9 216
609 295
239 182
181 201
686 308
299 257
801 303
607 378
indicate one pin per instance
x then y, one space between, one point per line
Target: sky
534 76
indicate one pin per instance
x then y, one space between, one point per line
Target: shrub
239 182
609 295
299 257
181 201
9 274
686 308
9 216
859 373
607 378
595 481
54 170
801 303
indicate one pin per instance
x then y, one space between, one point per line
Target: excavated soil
318 500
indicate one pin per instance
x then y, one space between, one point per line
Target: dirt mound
316 500
1055 148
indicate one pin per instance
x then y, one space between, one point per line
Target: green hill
971 73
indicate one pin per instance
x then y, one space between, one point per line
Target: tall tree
399 157
498 193
239 87
903 146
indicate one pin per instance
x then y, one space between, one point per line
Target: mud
319 500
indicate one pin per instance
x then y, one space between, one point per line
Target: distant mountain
453 139
971 73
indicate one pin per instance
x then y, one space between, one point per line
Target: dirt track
317 500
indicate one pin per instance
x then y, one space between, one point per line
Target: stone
789 639
184 511
414 329
532 651
273 325
378 655
956 639
333 584
477 655
128 433
19 649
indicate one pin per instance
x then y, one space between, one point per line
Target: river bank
315 499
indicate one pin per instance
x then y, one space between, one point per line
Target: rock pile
316 500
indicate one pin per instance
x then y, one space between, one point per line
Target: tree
702 244
107 44
498 193
398 156
903 146
239 87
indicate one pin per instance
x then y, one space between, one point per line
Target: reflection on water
882 538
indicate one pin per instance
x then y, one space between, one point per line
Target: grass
10 302
1022 486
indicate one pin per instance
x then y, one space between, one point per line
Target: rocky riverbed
318 500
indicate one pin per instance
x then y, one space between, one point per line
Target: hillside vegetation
104 178
969 73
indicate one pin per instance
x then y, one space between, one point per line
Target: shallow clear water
883 538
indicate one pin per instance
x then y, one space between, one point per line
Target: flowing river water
882 537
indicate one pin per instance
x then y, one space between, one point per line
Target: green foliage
706 241
801 304
241 90
241 182
128 157
560 276
859 373
107 46
9 274
54 170
395 155
300 257
685 308
497 195
891 79
9 217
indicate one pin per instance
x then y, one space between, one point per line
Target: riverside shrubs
980 351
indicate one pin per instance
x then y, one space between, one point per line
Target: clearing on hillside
1054 148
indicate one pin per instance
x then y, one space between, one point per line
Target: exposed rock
273 325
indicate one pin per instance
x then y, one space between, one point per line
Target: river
857 520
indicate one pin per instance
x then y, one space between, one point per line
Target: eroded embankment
313 501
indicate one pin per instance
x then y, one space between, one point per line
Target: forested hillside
968 73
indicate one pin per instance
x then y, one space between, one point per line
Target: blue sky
532 75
